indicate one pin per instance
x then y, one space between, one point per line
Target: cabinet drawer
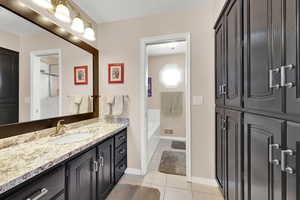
120 138
47 187
120 169
120 153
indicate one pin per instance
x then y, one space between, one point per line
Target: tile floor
171 187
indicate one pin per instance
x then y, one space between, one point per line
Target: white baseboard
133 171
182 139
204 181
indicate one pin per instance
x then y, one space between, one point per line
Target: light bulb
77 25
62 13
89 34
44 3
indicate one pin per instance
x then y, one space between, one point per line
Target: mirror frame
26 127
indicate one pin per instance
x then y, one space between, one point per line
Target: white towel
84 105
74 105
110 100
106 107
117 108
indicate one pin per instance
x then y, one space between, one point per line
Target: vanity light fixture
89 33
44 3
62 12
77 24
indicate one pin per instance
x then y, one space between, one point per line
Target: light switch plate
197 100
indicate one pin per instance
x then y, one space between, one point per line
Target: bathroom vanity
59 168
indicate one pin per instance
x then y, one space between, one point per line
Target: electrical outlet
169 131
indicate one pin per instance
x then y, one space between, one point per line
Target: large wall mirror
42 75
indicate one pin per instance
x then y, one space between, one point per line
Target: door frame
33 55
143 95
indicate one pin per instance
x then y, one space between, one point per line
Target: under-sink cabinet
90 175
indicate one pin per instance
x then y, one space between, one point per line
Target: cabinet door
220 149
292 161
233 53
9 87
262 173
233 155
82 177
105 176
219 65
292 58
262 53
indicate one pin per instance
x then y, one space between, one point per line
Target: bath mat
178 145
133 192
173 162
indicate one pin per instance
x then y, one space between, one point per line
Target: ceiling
114 10
166 48
14 24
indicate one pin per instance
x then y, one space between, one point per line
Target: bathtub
153 131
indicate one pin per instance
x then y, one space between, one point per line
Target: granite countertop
21 162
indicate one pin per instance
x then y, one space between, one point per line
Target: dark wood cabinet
81 177
48 187
257 63
262 157
120 155
228 153
9 87
233 54
263 55
291 161
91 175
233 144
228 56
105 175
220 61
220 148
292 56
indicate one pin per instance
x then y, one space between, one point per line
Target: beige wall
9 41
218 7
155 65
119 42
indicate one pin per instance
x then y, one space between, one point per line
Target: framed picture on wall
116 73
81 75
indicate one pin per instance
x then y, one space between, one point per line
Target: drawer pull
122 151
95 166
122 137
271 160
284 166
271 74
101 161
42 193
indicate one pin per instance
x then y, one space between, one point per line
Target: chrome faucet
60 128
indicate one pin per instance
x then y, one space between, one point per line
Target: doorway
169 82
46 84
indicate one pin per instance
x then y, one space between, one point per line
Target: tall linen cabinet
257 92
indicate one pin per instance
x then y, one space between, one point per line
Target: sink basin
72 138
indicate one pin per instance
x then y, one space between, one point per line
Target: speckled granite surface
26 156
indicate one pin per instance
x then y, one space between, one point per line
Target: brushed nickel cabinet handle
95 166
284 167
271 74
271 160
283 82
41 194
